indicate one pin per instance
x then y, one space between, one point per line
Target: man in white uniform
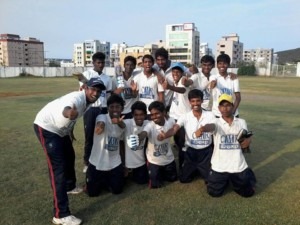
53 126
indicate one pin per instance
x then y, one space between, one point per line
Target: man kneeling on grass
228 163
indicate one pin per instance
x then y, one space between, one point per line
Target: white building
115 51
205 50
183 42
259 55
231 46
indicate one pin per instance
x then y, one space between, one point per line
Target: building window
222 46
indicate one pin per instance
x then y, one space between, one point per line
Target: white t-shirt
191 124
134 157
159 152
148 88
224 86
227 155
107 81
51 117
127 94
105 153
180 102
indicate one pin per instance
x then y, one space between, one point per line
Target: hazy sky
61 23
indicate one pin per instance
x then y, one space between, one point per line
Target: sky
62 23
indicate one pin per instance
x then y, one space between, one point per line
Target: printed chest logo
229 142
147 92
112 144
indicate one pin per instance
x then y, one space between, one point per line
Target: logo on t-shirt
229 142
161 149
147 92
112 144
204 139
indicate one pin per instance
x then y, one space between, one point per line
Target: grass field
271 107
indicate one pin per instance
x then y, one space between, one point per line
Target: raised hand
161 136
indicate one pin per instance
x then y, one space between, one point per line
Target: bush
246 70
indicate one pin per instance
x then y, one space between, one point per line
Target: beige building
15 51
231 46
183 42
259 55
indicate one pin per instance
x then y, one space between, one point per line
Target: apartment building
83 52
205 50
259 55
115 51
231 46
15 51
183 43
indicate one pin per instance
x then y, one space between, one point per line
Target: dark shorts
98 180
140 174
195 161
243 183
158 174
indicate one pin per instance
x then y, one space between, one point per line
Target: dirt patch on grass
14 94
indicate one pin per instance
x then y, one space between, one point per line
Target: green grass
271 107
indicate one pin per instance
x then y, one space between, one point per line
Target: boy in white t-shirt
105 169
161 163
228 163
135 159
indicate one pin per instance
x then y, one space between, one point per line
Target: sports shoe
76 190
68 220
85 168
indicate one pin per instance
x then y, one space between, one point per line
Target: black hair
114 98
147 56
195 93
223 58
207 59
139 105
157 105
178 68
162 52
99 56
130 58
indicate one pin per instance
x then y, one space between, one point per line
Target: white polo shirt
107 81
51 116
224 86
148 88
105 153
134 157
159 152
191 124
227 155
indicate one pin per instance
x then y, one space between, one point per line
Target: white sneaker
85 169
68 220
75 191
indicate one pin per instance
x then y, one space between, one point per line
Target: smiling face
176 74
98 65
157 116
139 116
92 94
196 104
206 67
161 62
222 67
115 110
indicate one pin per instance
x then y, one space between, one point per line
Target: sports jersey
127 93
134 157
105 153
180 103
159 152
224 86
51 117
107 81
191 124
148 88
227 155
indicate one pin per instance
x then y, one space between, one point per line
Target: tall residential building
259 55
231 46
183 42
205 50
115 51
15 51
83 52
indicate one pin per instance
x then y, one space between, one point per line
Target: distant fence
291 70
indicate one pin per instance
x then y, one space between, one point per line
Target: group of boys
129 129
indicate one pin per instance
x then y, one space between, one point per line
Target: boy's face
206 67
139 116
129 67
92 94
161 62
147 65
222 67
196 104
177 74
115 110
157 117
98 65
225 109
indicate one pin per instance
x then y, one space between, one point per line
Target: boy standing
228 161
105 168
161 163
53 126
135 157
